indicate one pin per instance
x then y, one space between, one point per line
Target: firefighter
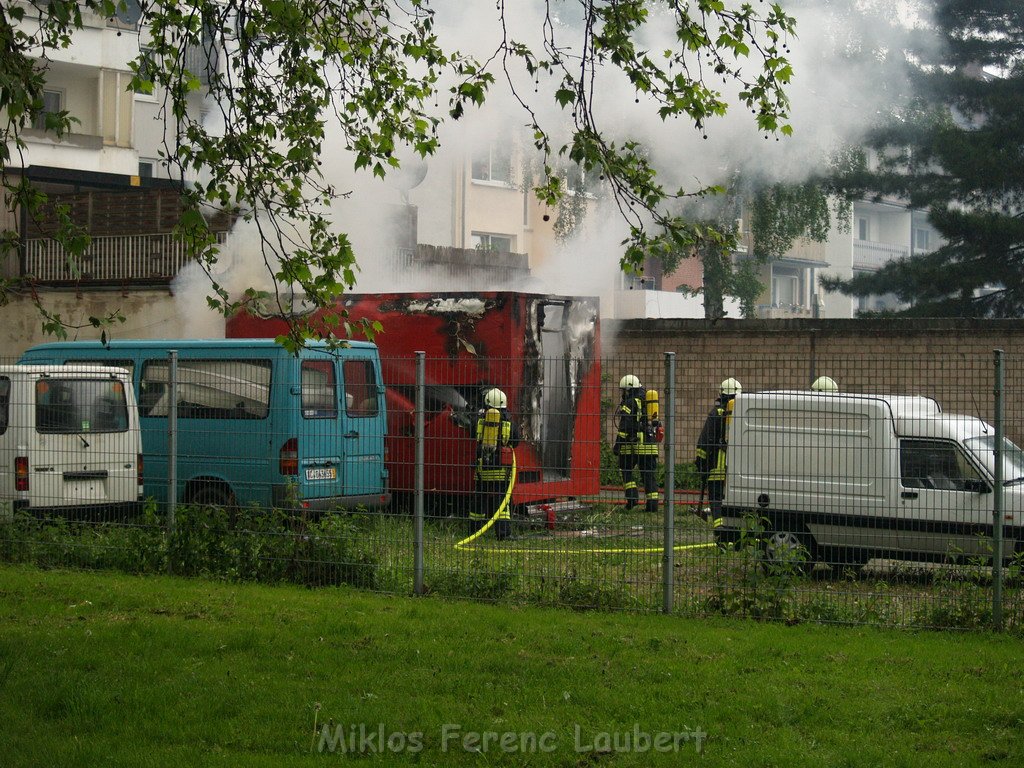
636 443
495 436
712 445
824 384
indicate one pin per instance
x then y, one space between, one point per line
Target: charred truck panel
542 351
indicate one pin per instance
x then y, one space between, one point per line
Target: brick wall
950 360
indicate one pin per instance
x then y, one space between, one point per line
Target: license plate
80 490
327 473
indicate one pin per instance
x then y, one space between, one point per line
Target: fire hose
501 507
464 543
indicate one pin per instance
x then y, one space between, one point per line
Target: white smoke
838 90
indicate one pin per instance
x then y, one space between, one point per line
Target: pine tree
956 149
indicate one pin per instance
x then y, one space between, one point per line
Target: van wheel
785 549
212 496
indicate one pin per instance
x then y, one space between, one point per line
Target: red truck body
542 351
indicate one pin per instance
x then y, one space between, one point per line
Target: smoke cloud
844 79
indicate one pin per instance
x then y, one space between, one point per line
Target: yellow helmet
824 384
495 398
629 381
730 387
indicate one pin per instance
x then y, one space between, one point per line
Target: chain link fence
881 502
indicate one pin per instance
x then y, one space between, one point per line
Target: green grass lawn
102 669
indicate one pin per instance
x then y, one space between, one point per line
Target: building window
786 289
145 169
147 67
862 228
493 163
498 243
53 102
920 239
585 182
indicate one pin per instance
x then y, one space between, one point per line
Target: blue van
256 424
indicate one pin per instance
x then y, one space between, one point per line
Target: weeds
375 552
249 545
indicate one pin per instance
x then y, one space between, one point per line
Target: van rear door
84 445
321 475
363 429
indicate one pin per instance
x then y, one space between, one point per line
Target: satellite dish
408 175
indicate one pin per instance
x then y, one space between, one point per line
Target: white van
69 441
853 476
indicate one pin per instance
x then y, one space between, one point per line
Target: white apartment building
474 216
876 234
106 170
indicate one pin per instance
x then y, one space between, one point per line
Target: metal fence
880 503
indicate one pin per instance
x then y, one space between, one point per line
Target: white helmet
824 384
730 387
629 381
495 398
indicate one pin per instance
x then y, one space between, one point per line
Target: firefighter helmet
824 384
495 398
629 381
730 387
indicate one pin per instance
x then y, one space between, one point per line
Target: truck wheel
787 549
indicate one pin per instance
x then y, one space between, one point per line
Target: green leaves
277 77
953 146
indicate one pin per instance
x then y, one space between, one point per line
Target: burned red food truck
542 351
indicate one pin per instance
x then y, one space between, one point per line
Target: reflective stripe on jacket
489 466
631 435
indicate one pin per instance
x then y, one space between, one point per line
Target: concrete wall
150 314
950 360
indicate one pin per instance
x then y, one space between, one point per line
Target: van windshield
1013 457
74 406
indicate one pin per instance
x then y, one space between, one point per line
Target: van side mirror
976 486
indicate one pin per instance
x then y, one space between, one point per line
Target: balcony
112 260
459 263
783 311
873 256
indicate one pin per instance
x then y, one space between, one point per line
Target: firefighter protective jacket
712 443
492 463
634 435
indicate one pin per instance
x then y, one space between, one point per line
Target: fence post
417 525
172 447
668 558
997 499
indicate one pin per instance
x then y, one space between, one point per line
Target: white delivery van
69 441
854 476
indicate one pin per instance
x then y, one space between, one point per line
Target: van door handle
351 435
909 495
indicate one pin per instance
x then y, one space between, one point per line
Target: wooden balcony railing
116 260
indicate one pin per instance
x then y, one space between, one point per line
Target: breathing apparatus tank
491 428
651 410
651 404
